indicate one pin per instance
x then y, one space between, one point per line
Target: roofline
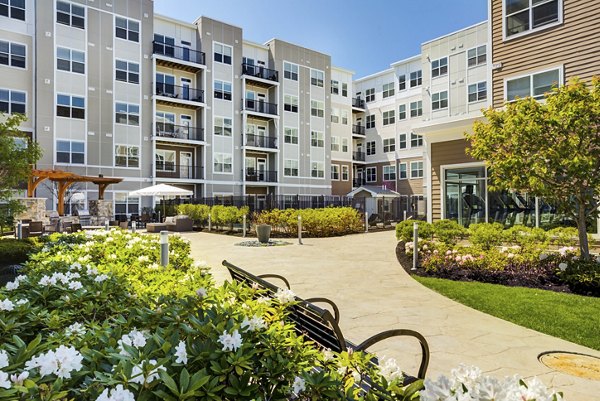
334 67
374 75
406 60
217 20
255 44
180 22
300 46
455 32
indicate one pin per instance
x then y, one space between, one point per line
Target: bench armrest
287 283
401 332
336 311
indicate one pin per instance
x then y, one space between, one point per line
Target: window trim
391 117
291 168
291 72
383 173
370 148
128 72
506 38
367 174
9 7
447 65
10 112
56 140
339 172
422 169
477 100
215 43
127 146
399 170
224 155
561 79
128 30
439 101
477 63
317 170
391 145
70 24
319 82
285 135
10 55
223 118
346 168
389 92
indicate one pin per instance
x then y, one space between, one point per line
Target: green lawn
572 317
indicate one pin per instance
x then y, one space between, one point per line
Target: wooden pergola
65 179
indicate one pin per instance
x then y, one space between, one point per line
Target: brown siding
342 188
405 186
573 44
443 153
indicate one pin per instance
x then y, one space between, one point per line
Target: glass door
186 123
185 90
465 195
261 167
185 168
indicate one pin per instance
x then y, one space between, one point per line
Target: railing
261 141
254 175
358 129
259 71
171 170
178 52
359 103
358 156
179 92
259 106
169 130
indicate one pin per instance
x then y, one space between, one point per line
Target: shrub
524 236
486 235
198 213
564 236
324 222
404 230
448 231
582 277
227 215
13 251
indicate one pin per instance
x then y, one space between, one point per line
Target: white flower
543 256
389 369
299 385
562 266
135 338
112 256
285 296
200 263
137 373
143 259
116 394
75 285
435 391
181 353
7 305
60 362
230 342
19 379
3 359
327 355
22 301
46 281
12 285
101 278
76 329
4 382
254 324
201 292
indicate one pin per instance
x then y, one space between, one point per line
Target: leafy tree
548 148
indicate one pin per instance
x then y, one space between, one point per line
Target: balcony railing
261 141
171 170
178 52
359 103
259 71
259 106
358 129
358 156
254 175
179 92
169 130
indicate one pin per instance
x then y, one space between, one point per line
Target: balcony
260 141
260 72
260 107
358 129
177 171
358 103
358 156
183 132
182 56
174 95
253 175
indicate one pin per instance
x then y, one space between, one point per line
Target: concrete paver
361 275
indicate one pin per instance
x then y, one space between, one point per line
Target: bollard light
366 222
209 222
106 225
164 248
405 215
20 230
133 226
299 230
415 245
244 227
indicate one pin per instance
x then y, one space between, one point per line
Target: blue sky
363 36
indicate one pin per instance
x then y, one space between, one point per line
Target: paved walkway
361 274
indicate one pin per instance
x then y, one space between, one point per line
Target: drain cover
580 365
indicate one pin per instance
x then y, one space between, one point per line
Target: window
165 118
335 115
127 156
127 29
345 147
371 174
439 100
416 78
335 172
476 56
371 148
415 140
12 54
222 90
290 71
345 172
290 103
389 145
317 77
317 108
345 117
317 139
335 87
222 53
12 102
439 67
128 114
402 141
223 163
13 9
344 89
402 112
389 117
70 60
402 171
317 170
532 85
528 15
223 126
69 14
290 168
416 169
388 90
371 121
416 109
127 71
125 204
389 173
477 92
70 152
335 143
370 95
165 160
165 85
291 135
70 106
164 45
401 82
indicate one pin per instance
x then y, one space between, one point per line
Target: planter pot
263 232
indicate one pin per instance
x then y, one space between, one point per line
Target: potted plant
263 232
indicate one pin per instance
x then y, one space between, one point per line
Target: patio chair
36 228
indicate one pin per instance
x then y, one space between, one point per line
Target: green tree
548 148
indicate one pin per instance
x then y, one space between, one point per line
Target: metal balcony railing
172 170
254 175
259 106
358 156
359 103
170 130
179 92
358 129
178 52
259 71
260 141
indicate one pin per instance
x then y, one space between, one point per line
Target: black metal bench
321 327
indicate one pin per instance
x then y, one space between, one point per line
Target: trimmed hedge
220 215
325 222
14 251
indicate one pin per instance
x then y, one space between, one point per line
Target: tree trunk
581 227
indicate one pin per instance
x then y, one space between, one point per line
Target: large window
439 67
222 53
127 71
529 15
439 100
13 9
125 204
291 135
371 148
12 54
69 14
335 172
402 141
388 90
371 173
476 56
345 172
70 152
317 139
127 156
402 175
317 77
70 60
164 45
477 92
416 108
389 117
389 173
70 106
415 140
223 163
290 71
165 160
416 169
127 29
389 145
290 168
317 170
370 95
317 108
290 103
402 112
12 102
222 90
223 126
128 114
370 121
532 85
416 78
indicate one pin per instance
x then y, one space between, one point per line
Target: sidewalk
361 275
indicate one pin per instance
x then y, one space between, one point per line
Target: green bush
404 230
14 251
486 235
448 231
222 216
563 236
582 277
324 222
198 213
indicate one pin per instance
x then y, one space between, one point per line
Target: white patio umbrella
161 190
